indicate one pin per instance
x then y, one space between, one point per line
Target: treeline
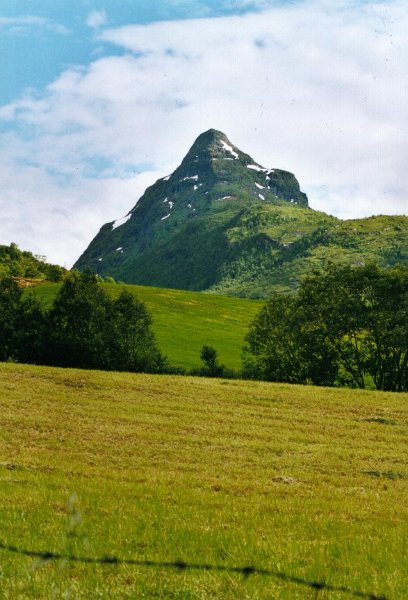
85 328
347 326
21 263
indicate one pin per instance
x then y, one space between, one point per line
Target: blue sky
40 38
99 99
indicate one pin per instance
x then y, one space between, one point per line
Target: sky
100 98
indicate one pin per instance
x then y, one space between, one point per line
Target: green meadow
184 322
308 482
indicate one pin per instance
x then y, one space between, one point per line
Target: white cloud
318 89
96 19
24 24
58 220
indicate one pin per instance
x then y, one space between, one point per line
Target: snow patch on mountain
121 221
256 168
229 149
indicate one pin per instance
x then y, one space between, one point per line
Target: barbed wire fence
180 565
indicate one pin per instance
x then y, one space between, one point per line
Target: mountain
222 222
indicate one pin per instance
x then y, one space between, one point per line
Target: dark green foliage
272 351
31 332
212 368
365 314
77 322
89 330
55 273
130 341
284 346
10 296
84 328
345 326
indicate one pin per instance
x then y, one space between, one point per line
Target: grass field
185 321
310 482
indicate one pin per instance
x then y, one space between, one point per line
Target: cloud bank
318 89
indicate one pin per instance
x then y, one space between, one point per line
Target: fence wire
180 565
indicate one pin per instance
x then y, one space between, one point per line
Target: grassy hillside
185 321
273 247
310 482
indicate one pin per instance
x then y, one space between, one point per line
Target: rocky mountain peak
211 146
214 183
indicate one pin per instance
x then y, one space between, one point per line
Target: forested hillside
23 264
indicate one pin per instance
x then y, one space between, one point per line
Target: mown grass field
184 322
310 482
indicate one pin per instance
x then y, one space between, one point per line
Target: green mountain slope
221 222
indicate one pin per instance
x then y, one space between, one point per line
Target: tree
31 339
347 325
10 296
212 368
331 303
387 330
131 343
77 323
54 273
87 329
364 312
272 350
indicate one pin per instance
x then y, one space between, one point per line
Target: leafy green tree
272 350
88 329
363 311
21 263
131 343
10 296
77 323
346 326
31 331
55 273
387 330
331 302
212 368
317 352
